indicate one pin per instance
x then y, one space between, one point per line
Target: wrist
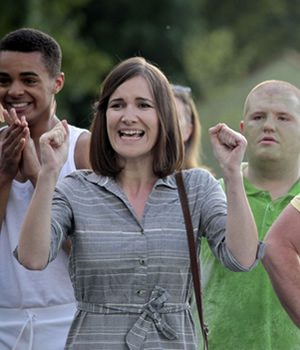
232 175
6 178
49 178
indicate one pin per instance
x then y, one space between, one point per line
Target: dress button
139 293
142 261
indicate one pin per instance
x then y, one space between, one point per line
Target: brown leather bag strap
193 256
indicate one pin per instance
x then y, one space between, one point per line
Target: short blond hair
272 87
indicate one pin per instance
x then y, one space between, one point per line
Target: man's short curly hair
32 40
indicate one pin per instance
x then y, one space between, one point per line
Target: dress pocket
175 251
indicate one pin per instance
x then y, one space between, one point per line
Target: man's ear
242 126
59 81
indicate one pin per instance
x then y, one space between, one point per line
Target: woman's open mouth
131 134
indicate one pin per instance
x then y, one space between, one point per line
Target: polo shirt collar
250 189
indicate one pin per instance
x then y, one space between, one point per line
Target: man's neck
274 177
38 129
42 126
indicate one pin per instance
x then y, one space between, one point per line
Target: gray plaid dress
132 278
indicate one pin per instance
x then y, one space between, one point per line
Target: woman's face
132 120
185 125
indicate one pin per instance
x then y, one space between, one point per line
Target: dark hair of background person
31 40
168 150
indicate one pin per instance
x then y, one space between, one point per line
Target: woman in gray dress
129 262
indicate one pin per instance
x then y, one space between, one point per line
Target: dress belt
152 309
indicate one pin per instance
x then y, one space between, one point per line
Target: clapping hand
13 141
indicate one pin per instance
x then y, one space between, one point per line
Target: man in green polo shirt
242 310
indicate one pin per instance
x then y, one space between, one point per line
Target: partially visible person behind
36 307
129 262
189 124
242 310
191 133
282 258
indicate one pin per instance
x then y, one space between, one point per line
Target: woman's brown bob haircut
168 151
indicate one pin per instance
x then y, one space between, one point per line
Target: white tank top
19 287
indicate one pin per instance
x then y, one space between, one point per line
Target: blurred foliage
210 45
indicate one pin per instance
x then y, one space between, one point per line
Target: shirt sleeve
213 225
61 216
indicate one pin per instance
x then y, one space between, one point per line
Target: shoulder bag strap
193 256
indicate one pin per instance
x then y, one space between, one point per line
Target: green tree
207 44
84 64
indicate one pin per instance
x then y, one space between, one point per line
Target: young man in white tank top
36 307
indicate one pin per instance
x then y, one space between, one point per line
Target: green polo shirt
241 309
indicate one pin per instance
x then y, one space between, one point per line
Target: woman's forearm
241 232
35 236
